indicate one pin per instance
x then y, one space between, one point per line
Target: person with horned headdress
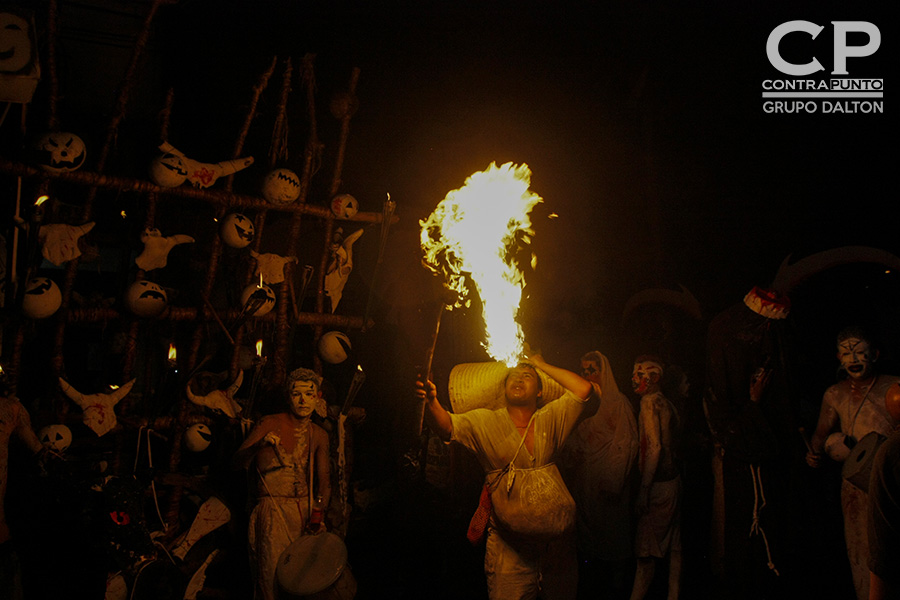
751 406
855 407
289 453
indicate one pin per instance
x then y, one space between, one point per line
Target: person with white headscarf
598 463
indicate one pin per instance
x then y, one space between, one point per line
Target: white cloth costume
597 462
521 568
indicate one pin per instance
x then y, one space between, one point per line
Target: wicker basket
482 385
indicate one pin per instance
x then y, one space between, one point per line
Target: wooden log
213 197
50 63
189 313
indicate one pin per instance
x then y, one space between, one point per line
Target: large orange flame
473 234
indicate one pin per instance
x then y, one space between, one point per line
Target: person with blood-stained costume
855 407
597 462
15 424
751 409
658 501
287 452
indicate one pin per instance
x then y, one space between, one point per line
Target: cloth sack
533 503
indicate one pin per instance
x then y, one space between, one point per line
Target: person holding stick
855 406
530 533
288 449
884 509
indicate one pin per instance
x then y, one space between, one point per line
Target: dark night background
643 126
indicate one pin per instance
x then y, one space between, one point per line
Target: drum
314 567
158 580
858 465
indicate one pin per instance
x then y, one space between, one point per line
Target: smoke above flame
473 235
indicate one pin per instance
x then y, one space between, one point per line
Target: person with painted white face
290 455
658 503
853 408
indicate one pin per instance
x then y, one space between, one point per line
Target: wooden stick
215 315
345 134
217 198
52 77
111 133
809 447
188 313
387 214
426 368
278 148
261 84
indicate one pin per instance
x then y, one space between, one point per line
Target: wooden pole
426 365
214 197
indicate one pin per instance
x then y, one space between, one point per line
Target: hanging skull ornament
16 49
221 401
57 437
197 437
174 168
42 298
281 186
60 151
168 170
344 206
20 69
271 266
334 347
237 230
257 300
98 410
146 299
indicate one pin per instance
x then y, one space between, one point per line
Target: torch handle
426 369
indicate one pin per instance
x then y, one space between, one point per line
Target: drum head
836 446
311 563
858 465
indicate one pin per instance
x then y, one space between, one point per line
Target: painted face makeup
645 377
303 395
856 357
591 371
